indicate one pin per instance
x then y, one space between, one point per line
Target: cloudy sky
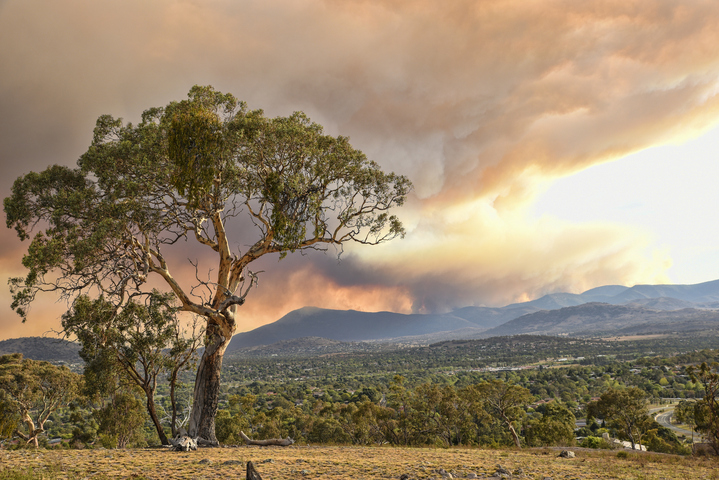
554 145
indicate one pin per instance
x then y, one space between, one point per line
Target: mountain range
607 310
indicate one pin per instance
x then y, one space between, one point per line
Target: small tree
439 415
141 341
121 421
706 410
684 412
196 170
625 411
556 427
505 402
34 390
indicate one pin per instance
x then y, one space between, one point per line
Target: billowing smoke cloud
481 104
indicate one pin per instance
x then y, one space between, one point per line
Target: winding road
664 419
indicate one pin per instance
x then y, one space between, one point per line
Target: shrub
595 442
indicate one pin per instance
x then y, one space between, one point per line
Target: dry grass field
337 462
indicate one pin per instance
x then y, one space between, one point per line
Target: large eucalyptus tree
186 173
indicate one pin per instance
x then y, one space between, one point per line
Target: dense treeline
491 413
371 399
488 413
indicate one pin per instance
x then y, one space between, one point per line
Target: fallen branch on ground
281 442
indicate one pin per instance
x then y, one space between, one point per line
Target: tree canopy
706 411
33 390
140 342
195 170
506 402
624 410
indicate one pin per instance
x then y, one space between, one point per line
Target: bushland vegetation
372 399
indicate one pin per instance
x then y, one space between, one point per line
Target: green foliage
684 412
706 411
624 410
239 418
137 342
33 390
199 141
506 402
328 430
188 168
594 442
9 416
663 440
554 428
120 422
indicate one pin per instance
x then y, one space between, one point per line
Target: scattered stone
404 476
501 471
471 475
444 473
518 471
267 460
232 462
205 461
566 454
304 472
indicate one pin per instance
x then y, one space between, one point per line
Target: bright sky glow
671 192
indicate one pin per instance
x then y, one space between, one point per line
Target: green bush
595 442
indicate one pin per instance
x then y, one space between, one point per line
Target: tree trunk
33 432
515 437
207 388
173 402
155 420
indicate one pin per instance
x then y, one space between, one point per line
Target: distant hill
346 326
639 308
41 348
602 318
310 346
606 310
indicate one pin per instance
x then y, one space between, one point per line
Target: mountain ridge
43 348
648 305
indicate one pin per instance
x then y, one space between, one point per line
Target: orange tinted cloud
479 103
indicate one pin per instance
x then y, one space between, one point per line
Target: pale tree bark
207 384
512 431
277 442
33 432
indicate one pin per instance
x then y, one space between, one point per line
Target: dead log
280 442
252 473
183 443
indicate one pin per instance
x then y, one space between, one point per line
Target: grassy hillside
352 462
